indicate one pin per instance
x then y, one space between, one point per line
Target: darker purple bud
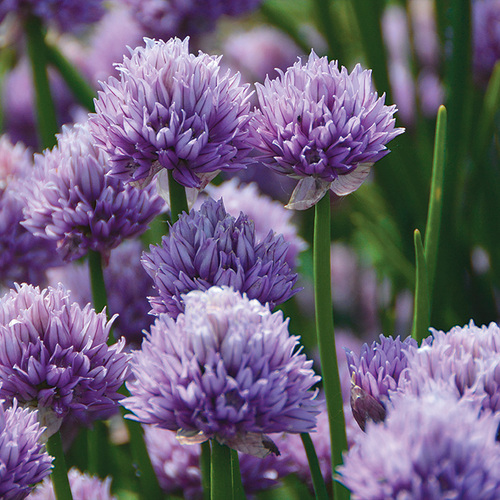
210 247
365 407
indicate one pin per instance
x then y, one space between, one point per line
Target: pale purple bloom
83 487
23 459
66 15
265 213
23 257
210 247
486 37
54 357
72 201
172 110
167 18
428 448
128 301
323 126
226 369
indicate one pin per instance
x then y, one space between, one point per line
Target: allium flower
226 369
54 357
23 257
23 460
71 199
83 487
129 302
323 126
486 37
66 15
265 213
432 447
166 18
375 372
172 110
210 247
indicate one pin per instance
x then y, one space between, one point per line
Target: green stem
97 285
78 85
435 200
59 474
238 490
220 472
97 449
178 200
317 477
326 337
421 317
205 469
45 110
326 24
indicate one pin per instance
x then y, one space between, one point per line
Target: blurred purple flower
210 247
172 110
23 459
485 37
23 257
71 199
265 213
167 18
54 357
66 15
83 487
432 447
323 126
129 302
226 369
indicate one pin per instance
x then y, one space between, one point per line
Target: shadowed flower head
66 15
83 487
172 110
226 369
428 448
23 460
71 200
167 18
210 247
54 357
323 126
23 257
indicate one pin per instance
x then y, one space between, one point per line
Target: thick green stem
178 200
326 337
59 474
317 477
220 472
326 24
238 490
205 469
421 317
78 85
97 449
98 287
45 110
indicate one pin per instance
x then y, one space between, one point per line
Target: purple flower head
210 247
166 18
66 15
177 466
485 37
23 460
172 110
83 487
428 448
265 213
323 126
129 302
71 199
54 357
226 369
375 372
23 257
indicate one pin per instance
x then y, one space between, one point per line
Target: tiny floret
226 369
323 126
172 110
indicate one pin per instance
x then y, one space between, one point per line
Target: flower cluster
71 200
172 110
226 369
210 247
323 126
54 357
